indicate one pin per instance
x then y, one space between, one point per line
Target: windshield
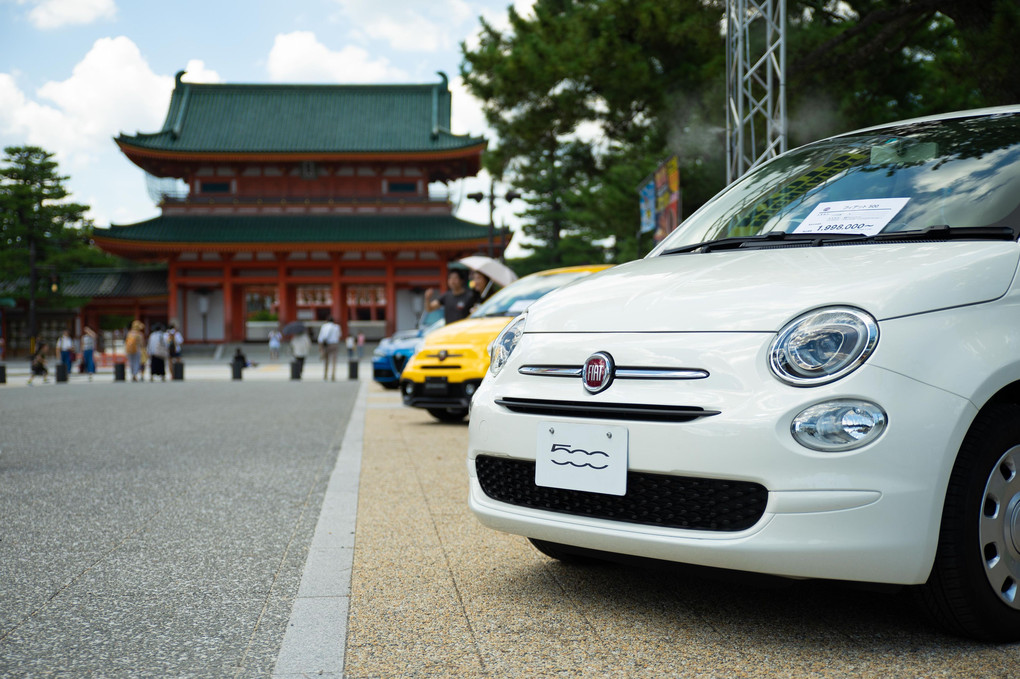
959 173
518 296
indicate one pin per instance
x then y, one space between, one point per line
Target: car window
959 173
518 296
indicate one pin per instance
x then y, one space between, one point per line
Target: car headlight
503 346
835 426
823 345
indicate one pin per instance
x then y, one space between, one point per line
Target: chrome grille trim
620 373
605 411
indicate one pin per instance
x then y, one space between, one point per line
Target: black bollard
352 370
178 370
61 372
238 368
118 372
3 374
295 370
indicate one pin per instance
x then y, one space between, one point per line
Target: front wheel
448 414
974 587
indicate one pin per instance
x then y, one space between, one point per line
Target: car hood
401 344
470 331
760 290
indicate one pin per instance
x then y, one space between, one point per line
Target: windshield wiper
946 232
940 232
762 239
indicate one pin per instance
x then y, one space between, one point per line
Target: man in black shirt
457 301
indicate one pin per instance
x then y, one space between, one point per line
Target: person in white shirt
299 346
158 353
329 345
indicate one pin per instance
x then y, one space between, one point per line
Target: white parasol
495 270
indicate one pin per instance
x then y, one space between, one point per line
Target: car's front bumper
438 392
870 514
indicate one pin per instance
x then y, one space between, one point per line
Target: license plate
435 386
588 457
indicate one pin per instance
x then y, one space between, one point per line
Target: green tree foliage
41 234
587 97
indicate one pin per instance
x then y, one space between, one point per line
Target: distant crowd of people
161 349
157 352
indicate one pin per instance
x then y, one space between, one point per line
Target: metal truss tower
755 83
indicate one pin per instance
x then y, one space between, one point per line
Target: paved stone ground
435 594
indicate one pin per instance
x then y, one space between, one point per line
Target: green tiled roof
242 118
100 283
296 229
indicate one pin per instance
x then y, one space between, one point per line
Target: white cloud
111 90
408 25
466 110
196 72
50 14
300 57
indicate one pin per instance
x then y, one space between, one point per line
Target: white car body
949 318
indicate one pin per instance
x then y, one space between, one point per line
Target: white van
817 375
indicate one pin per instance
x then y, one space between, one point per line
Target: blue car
393 353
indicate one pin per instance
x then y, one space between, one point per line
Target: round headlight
823 345
835 426
504 344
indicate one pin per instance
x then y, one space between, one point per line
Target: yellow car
444 374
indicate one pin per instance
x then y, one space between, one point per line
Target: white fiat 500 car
817 375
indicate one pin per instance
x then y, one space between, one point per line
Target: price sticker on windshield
867 217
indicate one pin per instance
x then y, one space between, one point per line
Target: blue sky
75 73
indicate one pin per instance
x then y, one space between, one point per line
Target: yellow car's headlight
503 346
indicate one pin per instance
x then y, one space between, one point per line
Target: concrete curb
315 641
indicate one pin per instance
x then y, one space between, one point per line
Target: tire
448 414
389 385
974 586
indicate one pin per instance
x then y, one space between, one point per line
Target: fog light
409 388
835 426
469 390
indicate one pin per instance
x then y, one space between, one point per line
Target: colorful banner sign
660 200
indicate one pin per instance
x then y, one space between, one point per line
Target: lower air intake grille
651 499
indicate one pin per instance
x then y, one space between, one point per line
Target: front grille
399 360
605 411
651 499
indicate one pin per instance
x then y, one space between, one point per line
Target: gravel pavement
160 530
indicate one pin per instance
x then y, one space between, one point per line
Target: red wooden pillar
390 310
229 300
339 306
172 312
286 311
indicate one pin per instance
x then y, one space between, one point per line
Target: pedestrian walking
88 351
300 345
457 301
38 366
158 354
65 349
133 345
174 346
329 345
274 343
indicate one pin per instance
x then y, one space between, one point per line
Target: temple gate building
300 201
